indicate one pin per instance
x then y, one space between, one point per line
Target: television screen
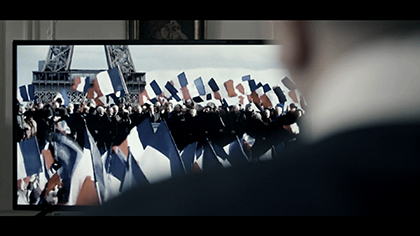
96 118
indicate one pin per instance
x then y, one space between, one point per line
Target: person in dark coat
136 116
234 125
41 117
103 137
123 128
76 122
213 124
192 126
178 126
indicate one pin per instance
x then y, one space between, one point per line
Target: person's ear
293 36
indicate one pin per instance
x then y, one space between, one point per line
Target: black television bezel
17 43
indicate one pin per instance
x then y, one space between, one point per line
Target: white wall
41 30
240 30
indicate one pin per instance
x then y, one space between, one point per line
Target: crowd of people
261 127
261 130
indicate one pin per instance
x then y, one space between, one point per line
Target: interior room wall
62 30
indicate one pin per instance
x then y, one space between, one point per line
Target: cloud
183 57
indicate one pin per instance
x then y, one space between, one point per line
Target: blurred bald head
353 73
310 46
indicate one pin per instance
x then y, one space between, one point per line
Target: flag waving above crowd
242 91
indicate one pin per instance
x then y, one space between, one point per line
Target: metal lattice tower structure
55 74
59 58
119 55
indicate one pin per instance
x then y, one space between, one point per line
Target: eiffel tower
55 74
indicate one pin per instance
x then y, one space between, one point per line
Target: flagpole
241 147
93 166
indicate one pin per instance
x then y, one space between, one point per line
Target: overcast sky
165 62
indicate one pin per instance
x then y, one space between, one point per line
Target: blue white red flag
134 176
215 156
147 95
115 168
114 164
155 152
81 84
268 98
69 155
236 153
111 81
206 157
91 150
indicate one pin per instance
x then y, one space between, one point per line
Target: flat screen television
95 118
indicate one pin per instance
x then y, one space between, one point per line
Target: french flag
69 155
81 84
91 151
234 152
115 168
144 95
155 153
206 158
110 81
269 97
134 176
254 97
150 93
